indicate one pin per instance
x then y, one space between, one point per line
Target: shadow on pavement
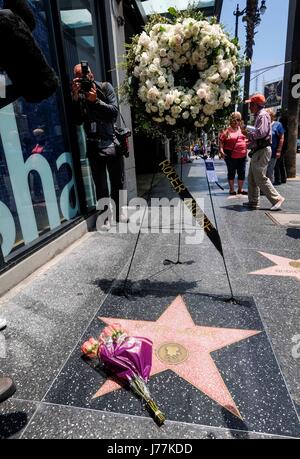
241 208
293 233
144 287
236 425
11 424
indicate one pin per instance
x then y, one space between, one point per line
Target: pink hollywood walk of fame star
176 328
285 267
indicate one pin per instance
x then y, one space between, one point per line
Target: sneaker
251 205
3 323
279 203
7 388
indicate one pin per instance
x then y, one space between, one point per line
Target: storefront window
37 184
79 29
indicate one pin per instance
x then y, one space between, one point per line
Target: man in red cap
260 139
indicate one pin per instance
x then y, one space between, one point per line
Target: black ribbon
184 194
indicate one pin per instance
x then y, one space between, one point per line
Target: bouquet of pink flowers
129 358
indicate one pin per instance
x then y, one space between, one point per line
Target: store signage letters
18 174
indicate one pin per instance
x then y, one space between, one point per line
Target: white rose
163 52
170 99
161 81
195 29
165 62
185 47
215 78
137 72
153 47
153 93
144 40
170 120
201 93
185 115
209 109
153 69
195 110
142 93
149 84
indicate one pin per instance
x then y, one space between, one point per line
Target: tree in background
252 20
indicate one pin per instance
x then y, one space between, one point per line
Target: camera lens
86 85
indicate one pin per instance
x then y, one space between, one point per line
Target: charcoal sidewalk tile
58 422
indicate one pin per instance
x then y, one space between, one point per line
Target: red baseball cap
258 99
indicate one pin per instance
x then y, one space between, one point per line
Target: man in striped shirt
260 139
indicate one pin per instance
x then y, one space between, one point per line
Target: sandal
243 193
232 193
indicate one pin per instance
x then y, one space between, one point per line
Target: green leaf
162 29
173 11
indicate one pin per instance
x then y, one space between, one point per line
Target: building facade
47 195
46 188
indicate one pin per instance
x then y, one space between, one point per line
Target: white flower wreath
164 60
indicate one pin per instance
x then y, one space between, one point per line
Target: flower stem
159 416
140 388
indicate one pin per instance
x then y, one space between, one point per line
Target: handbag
121 141
100 147
122 134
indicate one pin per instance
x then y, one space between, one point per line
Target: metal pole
246 94
237 15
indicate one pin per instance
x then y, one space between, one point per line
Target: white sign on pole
211 171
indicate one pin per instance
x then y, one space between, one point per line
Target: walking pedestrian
280 168
260 139
277 144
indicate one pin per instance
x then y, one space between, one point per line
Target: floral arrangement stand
181 74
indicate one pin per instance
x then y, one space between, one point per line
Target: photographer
96 106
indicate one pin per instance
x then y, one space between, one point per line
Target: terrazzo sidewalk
221 370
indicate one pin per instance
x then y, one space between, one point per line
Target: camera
85 83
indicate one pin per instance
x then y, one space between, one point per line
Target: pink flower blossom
90 348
